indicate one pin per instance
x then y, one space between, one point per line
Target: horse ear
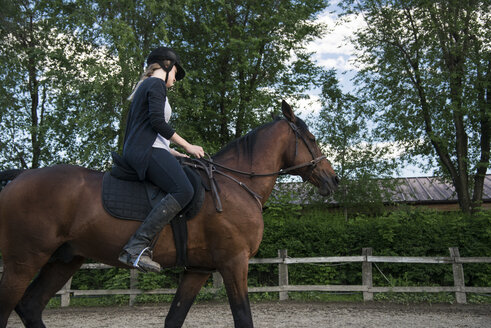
288 112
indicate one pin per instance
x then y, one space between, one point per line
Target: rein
210 167
253 174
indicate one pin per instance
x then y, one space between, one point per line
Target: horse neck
265 154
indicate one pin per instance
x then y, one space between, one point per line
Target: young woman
146 149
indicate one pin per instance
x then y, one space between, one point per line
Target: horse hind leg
50 279
15 279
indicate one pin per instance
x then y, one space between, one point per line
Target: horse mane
245 144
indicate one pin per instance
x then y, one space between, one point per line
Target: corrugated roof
420 190
424 189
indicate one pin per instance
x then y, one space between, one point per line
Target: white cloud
334 49
309 106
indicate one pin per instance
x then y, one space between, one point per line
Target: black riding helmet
160 54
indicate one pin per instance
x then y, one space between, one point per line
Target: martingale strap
209 167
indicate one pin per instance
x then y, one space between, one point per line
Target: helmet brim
181 73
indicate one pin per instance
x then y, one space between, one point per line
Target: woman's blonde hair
146 74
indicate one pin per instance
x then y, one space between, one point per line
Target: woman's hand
196 151
175 153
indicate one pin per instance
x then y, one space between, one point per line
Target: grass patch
220 296
325 297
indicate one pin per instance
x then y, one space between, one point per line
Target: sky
334 50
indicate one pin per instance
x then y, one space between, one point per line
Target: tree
50 109
23 93
69 66
241 56
362 163
129 30
238 63
427 64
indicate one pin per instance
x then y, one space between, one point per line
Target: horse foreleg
51 279
235 279
189 287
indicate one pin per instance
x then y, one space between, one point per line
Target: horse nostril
336 180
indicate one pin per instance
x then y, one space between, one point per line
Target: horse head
308 161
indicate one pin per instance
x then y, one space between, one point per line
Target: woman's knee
185 194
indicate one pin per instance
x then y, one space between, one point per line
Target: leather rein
210 167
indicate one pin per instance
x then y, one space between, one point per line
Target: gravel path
277 315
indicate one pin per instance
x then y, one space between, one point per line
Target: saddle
125 197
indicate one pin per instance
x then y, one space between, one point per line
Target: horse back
47 190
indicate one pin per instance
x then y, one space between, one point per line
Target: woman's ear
288 112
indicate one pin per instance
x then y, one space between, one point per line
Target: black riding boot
136 252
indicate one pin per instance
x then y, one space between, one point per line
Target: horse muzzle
329 185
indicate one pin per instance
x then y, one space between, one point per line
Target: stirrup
136 265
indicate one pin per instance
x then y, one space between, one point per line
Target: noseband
210 167
315 160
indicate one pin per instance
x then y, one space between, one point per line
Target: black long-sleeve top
145 119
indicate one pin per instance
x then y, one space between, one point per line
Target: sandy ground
284 314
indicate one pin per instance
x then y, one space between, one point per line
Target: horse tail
7 176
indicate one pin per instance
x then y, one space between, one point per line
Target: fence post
283 273
217 280
65 295
458 275
133 285
366 273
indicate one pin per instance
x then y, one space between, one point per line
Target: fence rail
283 261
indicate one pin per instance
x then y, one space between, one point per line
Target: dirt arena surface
277 315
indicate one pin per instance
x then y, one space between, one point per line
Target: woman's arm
196 151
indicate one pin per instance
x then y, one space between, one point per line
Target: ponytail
148 72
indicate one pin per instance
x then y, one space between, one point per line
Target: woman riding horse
52 219
146 149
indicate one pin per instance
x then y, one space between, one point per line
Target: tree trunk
34 93
485 118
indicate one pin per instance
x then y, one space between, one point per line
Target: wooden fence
283 261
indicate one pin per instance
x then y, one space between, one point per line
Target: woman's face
171 78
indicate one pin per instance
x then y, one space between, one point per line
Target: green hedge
316 232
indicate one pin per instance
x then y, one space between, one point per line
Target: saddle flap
125 199
133 200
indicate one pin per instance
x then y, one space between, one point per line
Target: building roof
417 190
430 190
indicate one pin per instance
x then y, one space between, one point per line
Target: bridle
210 167
312 164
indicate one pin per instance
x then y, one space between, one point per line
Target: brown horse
52 219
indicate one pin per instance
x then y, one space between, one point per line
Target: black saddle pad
133 200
